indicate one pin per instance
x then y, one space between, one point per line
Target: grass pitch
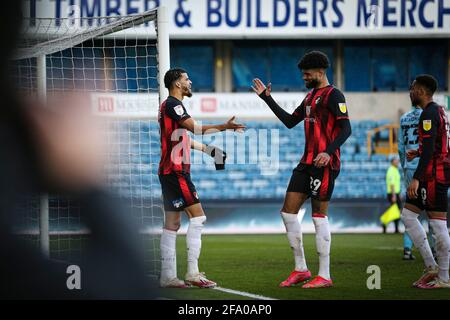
258 263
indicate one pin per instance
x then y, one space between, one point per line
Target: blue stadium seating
361 176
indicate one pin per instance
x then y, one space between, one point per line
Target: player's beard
414 100
313 83
187 92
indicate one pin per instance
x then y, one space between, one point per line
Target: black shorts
432 196
317 183
178 191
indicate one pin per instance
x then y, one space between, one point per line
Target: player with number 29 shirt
326 128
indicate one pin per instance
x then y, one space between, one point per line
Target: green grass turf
258 263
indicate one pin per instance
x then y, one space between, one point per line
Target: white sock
168 254
442 241
323 242
418 236
194 243
294 235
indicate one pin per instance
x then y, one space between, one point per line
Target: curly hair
172 75
428 82
314 60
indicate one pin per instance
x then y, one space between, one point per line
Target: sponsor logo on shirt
308 110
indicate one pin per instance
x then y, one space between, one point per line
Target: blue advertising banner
270 18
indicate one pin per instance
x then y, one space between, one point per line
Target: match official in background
393 188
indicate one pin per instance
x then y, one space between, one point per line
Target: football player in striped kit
408 139
429 185
327 127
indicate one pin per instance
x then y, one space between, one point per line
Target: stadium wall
362 106
356 216
343 29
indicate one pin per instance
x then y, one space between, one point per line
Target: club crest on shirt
318 100
426 125
179 110
343 107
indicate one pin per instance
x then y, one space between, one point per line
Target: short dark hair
172 75
428 82
314 60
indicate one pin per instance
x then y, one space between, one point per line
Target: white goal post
93 54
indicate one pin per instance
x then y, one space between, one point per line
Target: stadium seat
139 147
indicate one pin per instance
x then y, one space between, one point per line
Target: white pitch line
388 248
242 293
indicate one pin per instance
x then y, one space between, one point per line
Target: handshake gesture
231 125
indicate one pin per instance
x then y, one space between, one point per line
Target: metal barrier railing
377 145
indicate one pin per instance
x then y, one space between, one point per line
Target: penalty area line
242 293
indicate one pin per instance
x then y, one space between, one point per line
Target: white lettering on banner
265 18
246 105
105 104
208 104
123 104
215 105
203 105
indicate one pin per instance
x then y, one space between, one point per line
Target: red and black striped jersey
175 141
321 109
434 138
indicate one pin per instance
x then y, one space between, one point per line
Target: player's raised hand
411 154
269 89
412 189
259 87
322 160
230 124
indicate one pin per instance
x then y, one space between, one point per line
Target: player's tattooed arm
198 145
199 129
215 152
289 120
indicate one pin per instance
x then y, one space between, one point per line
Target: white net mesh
120 72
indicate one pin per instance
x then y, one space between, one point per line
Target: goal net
121 70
